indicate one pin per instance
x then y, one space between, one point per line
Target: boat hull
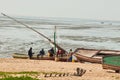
96 52
25 56
21 56
87 59
46 57
111 62
106 66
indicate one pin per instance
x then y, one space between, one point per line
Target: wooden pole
55 39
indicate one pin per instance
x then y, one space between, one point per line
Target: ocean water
71 34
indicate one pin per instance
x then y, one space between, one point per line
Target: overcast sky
85 9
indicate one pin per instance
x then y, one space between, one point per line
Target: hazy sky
85 9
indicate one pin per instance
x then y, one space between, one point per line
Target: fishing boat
25 56
93 55
111 62
82 58
45 57
96 52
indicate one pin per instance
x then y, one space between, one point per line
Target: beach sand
93 71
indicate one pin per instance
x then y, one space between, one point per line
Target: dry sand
94 71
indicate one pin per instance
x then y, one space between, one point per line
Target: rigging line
26 26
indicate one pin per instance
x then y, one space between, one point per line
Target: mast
55 39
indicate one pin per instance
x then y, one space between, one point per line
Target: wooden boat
96 52
25 56
18 55
93 55
111 62
46 57
82 58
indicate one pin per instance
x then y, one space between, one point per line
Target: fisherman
70 54
51 52
30 53
59 53
41 53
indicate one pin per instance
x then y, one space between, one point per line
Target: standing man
30 54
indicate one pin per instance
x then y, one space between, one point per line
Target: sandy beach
93 71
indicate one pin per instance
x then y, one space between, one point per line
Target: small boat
96 52
93 55
25 56
45 57
111 62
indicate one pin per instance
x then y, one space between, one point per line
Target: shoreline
93 71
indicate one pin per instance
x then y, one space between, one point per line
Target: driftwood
80 72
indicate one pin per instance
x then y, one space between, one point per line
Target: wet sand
93 71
